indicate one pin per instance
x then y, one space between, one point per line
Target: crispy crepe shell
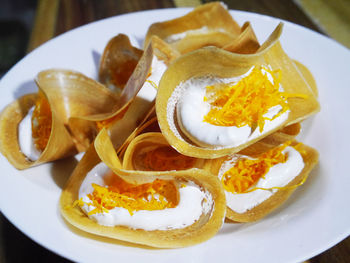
310 157
149 124
203 229
129 110
138 108
118 62
59 145
139 146
123 101
222 29
309 78
211 61
245 43
73 94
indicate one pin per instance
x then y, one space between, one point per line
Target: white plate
315 218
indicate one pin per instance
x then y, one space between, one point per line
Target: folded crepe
207 25
159 196
52 141
262 177
211 76
39 123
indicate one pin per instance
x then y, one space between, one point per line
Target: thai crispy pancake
310 159
201 230
58 145
211 61
207 25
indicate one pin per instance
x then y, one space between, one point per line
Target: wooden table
55 17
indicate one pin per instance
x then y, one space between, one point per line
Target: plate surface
315 218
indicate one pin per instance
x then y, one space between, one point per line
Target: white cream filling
191 109
199 31
140 105
279 175
193 203
25 138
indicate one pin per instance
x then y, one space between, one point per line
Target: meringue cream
193 107
184 214
25 138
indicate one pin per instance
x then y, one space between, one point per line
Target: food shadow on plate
307 129
62 169
139 41
25 88
103 239
96 57
293 207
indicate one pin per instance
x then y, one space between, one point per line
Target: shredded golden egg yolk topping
247 101
166 158
158 195
246 172
41 123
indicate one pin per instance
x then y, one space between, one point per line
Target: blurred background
16 21
26 24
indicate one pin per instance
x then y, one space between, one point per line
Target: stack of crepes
197 127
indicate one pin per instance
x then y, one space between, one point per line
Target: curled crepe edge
70 94
147 142
117 63
245 43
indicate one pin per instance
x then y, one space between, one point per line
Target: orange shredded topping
41 123
246 172
247 101
166 158
159 194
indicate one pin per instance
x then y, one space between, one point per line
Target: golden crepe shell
137 107
309 78
149 124
72 94
118 62
245 43
86 124
59 145
211 61
310 158
206 227
214 17
144 151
